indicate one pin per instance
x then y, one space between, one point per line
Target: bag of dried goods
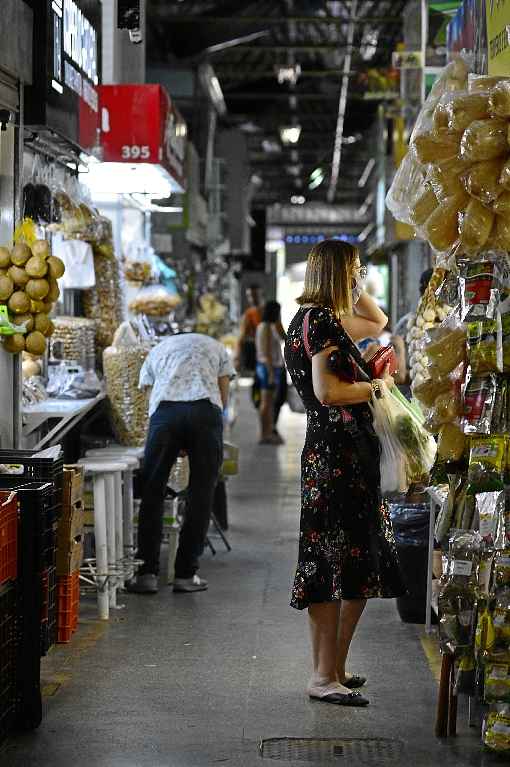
484 344
479 403
486 464
122 363
501 206
446 179
502 237
442 227
497 679
499 99
490 508
429 390
424 206
480 287
482 180
451 443
505 332
440 114
484 140
437 146
483 82
407 187
445 346
464 108
496 729
457 595
154 301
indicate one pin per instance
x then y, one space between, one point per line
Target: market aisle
195 680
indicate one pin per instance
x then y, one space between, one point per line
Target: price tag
461 567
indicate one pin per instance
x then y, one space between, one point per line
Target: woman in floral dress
347 552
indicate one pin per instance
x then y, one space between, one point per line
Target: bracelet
376 389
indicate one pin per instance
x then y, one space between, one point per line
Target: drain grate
362 751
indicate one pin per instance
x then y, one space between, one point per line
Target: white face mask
357 291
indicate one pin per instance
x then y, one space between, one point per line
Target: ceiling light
288 74
212 86
271 147
368 47
290 134
298 199
366 173
316 178
125 178
351 139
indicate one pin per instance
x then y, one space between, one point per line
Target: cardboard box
70 526
73 484
69 560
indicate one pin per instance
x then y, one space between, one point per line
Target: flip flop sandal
354 682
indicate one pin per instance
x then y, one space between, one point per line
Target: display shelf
67 413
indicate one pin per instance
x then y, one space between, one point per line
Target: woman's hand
387 378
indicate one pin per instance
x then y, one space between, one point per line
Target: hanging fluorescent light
298 199
125 178
288 74
366 173
212 86
316 178
290 134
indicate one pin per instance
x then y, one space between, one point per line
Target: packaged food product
424 206
407 187
440 115
480 288
490 508
482 180
446 178
496 729
442 227
501 573
475 227
498 424
479 403
485 349
439 145
504 176
486 464
484 82
451 442
463 108
484 140
429 390
445 346
457 595
501 206
105 302
497 680
502 234
448 407
501 615
499 99
154 301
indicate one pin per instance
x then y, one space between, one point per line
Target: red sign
140 124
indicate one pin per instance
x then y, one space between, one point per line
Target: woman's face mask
358 278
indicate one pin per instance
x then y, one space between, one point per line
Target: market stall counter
60 414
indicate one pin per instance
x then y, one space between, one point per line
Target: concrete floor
198 680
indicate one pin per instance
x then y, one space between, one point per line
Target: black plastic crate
7 658
35 470
48 609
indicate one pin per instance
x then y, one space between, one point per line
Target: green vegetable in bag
486 464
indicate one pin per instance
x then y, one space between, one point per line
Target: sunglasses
362 271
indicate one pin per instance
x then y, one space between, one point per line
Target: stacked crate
8 574
69 553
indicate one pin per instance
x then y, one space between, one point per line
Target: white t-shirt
186 368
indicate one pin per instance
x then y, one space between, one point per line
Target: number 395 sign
139 123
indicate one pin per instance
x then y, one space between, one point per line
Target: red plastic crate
8 536
68 603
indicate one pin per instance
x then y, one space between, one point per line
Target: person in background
245 357
270 369
189 376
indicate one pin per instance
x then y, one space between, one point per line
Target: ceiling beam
181 18
276 96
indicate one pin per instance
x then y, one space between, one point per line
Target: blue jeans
263 376
197 428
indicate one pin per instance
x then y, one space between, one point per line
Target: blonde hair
328 278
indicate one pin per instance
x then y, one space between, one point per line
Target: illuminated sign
64 94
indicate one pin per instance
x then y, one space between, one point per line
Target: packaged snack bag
496 729
480 288
442 227
475 226
485 348
451 442
484 140
486 465
424 206
497 680
479 403
490 508
445 346
446 178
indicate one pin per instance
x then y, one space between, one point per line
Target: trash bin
411 528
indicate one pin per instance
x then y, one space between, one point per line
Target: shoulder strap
306 342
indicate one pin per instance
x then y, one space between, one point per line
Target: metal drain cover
360 751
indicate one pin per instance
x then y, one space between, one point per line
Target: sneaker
188 585
143 584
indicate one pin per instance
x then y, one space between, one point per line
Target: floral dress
346 544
